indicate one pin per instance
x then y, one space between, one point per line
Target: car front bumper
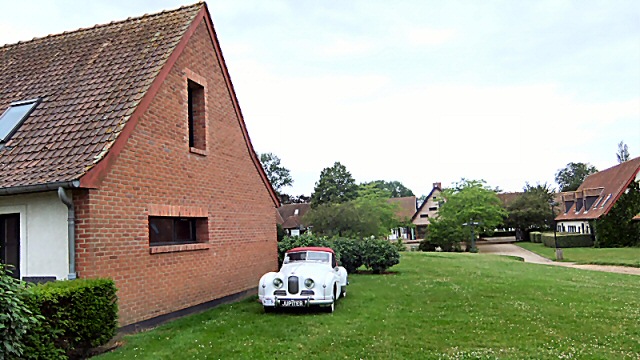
283 301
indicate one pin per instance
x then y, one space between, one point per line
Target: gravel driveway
530 257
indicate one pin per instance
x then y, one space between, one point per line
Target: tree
623 152
335 186
468 200
278 175
395 188
531 209
368 215
572 176
292 199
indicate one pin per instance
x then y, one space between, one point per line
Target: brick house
133 131
428 210
595 197
405 209
291 218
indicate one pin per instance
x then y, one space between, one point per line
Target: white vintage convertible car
309 276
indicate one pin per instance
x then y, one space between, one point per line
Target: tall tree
395 188
531 209
335 186
623 152
278 175
572 176
368 215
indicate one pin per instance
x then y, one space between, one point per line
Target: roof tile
90 81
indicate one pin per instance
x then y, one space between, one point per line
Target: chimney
437 185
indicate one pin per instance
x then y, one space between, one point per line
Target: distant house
428 210
124 154
291 215
406 208
595 197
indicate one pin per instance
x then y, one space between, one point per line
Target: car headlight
309 283
277 282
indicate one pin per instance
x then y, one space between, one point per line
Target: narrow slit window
196 110
13 117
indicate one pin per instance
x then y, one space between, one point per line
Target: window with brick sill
176 230
196 117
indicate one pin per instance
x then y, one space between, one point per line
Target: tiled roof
90 82
607 184
291 219
406 206
508 198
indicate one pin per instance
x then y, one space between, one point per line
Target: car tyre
269 309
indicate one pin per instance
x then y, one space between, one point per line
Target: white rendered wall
43 233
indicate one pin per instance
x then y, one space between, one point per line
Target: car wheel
344 292
269 309
331 308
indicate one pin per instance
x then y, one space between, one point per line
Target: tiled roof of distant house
508 198
292 218
406 206
599 192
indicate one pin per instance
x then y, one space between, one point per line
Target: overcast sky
415 91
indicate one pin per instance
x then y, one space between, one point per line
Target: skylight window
13 117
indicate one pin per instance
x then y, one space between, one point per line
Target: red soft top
312 248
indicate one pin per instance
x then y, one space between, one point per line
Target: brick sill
178 248
198 151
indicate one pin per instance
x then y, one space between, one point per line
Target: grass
436 306
597 256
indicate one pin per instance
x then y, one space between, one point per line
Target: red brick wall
156 173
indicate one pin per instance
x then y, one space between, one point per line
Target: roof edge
26 189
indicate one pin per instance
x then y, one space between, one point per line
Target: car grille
307 292
280 293
293 285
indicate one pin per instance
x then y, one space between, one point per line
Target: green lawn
437 306
613 256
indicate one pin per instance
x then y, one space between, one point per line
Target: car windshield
308 256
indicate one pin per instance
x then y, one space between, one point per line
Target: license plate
293 303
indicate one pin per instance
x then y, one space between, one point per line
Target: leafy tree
531 209
617 228
278 175
335 186
572 176
368 215
395 188
421 199
292 199
623 152
468 200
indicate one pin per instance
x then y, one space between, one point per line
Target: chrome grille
307 292
293 285
280 293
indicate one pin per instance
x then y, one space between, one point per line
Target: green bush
77 315
535 237
306 239
567 240
15 317
350 253
399 244
379 255
617 228
429 244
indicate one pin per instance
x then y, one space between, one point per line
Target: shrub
350 253
77 315
379 255
429 244
535 237
399 244
15 317
567 240
290 242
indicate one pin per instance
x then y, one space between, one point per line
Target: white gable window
13 117
296 212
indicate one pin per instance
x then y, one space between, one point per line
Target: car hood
305 269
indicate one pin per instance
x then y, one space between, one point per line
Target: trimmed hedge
376 254
567 240
76 315
535 237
